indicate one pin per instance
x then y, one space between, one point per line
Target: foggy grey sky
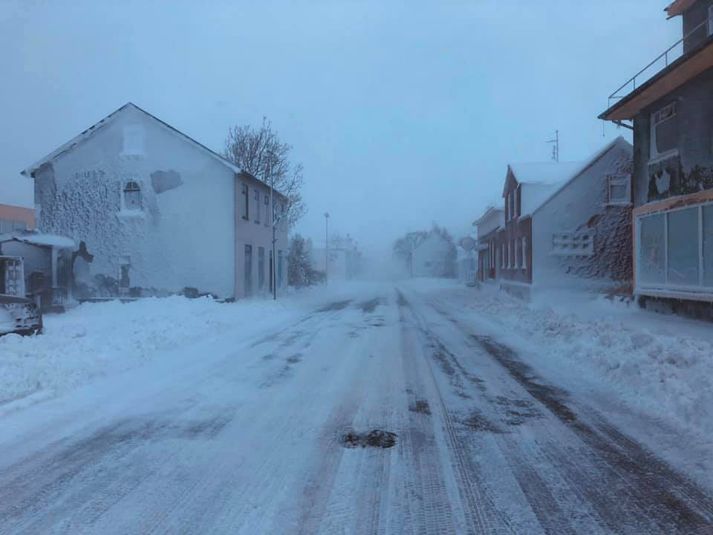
403 113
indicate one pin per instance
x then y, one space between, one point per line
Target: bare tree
260 152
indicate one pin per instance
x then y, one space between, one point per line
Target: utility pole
273 278
555 146
326 247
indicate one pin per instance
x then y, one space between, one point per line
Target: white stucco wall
581 202
184 236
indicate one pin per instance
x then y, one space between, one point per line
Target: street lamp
326 247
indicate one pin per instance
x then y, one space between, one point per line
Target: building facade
672 188
487 228
16 218
158 212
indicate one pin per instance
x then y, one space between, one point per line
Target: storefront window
708 245
651 249
683 243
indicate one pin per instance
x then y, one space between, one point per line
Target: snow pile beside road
97 339
663 364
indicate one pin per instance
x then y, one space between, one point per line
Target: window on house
132 196
257 205
512 205
517 201
246 201
523 263
507 207
664 131
683 242
133 140
618 189
652 253
579 243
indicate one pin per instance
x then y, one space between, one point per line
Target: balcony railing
668 56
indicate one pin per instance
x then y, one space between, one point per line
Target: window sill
663 157
129 214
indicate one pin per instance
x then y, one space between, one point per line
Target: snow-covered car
19 315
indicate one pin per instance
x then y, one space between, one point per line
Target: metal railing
671 54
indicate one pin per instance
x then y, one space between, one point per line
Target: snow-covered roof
556 188
544 172
108 119
43 240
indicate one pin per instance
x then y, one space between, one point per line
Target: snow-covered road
242 434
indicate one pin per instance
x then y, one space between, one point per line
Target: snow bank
661 364
96 339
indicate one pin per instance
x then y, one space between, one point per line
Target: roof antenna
555 146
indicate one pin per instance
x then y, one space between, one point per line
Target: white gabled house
568 224
158 211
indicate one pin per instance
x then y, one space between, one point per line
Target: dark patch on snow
294 359
550 396
517 411
477 422
370 305
333 307
376 438
269 356
400 299
420 406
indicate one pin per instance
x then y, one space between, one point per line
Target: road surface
248 436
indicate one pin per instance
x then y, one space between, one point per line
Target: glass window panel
683 243
708 245
667 135
651 249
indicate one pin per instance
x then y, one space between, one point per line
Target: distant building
567 224
16 218
158 211
467 260
670 111
434 256
344 259
487 227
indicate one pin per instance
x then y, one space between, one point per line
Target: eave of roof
678 7
662 83
89 131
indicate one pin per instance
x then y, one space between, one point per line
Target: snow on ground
100 339
660 365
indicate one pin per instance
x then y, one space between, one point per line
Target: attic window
133 140
132 196
664 132
618 189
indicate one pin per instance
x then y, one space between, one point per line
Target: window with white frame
675 249
523 264
246 199
664 132
618 189
577 243
132 196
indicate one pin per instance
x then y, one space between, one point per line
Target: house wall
582 206
14 218
510 238
256 231
690 170
430 257
693 17
185 234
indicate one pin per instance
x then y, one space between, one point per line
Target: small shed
48 265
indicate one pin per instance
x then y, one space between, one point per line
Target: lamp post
273 278
326 247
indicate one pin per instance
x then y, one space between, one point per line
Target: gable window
132 196
246 200
618 189
664 132
512 204
507 207
516 201
257 206
133 140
